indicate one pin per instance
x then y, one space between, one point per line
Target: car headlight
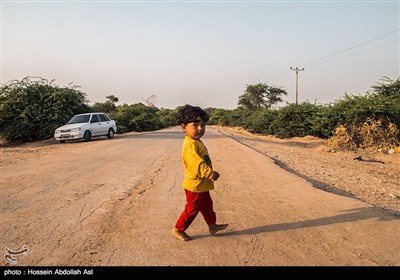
57 131
76 129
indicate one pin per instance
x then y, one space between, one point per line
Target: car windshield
79 119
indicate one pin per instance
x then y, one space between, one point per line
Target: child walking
199 174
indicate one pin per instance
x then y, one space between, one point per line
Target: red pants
195 203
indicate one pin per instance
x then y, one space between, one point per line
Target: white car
86 126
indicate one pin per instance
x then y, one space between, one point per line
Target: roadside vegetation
32 108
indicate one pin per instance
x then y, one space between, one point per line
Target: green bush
295 120
168 117
236 117
317 120
351 110
31 109
137 117
262 121
106 107
215 115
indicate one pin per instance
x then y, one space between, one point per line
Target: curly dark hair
189 113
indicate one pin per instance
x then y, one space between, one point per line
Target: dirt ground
372 177
113 203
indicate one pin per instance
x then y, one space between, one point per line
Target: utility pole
297 80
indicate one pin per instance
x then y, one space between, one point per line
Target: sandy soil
372 177
114 202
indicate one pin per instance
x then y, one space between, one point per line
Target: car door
105 123
95 125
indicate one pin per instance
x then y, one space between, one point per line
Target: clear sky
201 52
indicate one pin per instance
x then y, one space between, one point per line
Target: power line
284 75
281 77
363 51
358 45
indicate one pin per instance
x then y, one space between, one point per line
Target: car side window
103 118
95 119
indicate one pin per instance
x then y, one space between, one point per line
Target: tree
112 99
274 95
151 100
261 96
106 107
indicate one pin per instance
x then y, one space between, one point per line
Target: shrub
31 109
168 117
137 117
262 121
295 120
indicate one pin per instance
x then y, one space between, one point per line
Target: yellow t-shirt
197 165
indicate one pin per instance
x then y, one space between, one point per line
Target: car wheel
62 141
111 133
87 135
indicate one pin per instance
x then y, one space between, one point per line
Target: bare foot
215 228
181 235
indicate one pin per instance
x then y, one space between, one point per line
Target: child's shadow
353 215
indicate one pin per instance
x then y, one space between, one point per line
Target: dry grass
373 134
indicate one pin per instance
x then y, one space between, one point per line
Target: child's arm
215 176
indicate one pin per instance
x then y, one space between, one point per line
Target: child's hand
215 176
